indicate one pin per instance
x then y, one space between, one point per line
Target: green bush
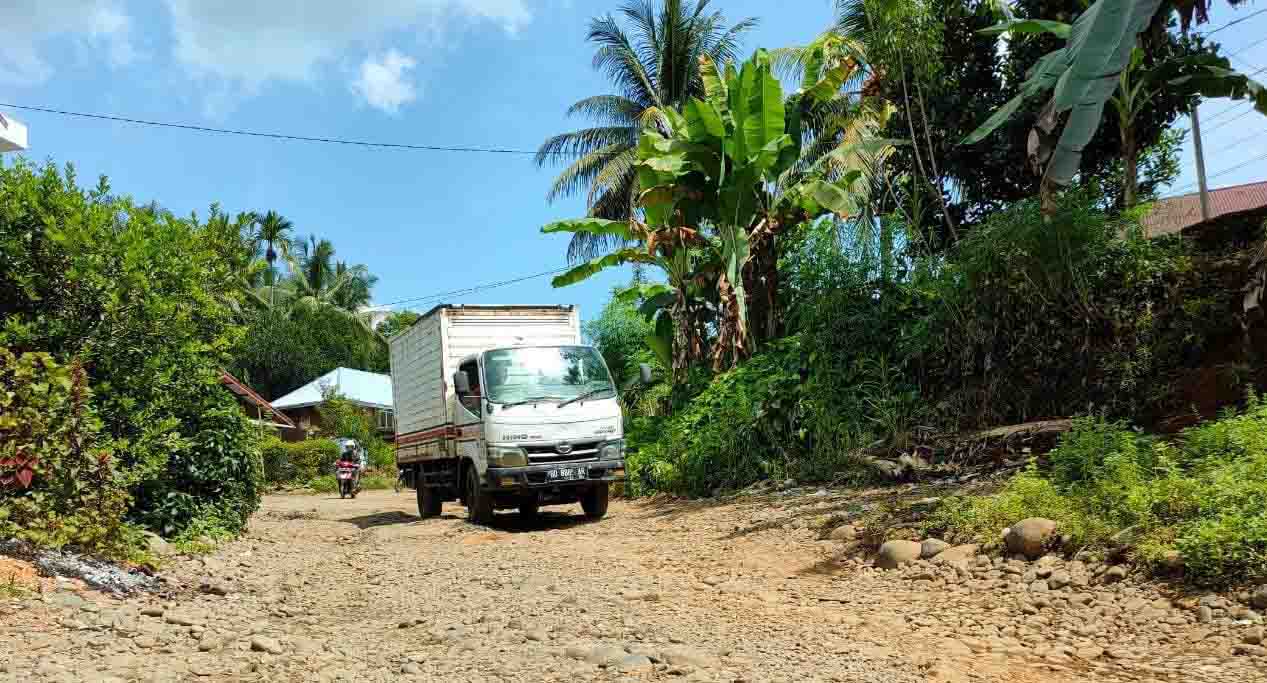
739 430
146 301
1201 495
296 463
58 484
325 483
342 419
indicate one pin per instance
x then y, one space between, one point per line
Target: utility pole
1196 142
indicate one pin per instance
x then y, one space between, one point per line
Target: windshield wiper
584 396
534 399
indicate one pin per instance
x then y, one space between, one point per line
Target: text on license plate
567 474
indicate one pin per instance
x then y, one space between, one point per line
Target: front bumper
535 476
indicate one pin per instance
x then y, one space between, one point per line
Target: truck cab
538 425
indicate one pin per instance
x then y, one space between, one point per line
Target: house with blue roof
371 391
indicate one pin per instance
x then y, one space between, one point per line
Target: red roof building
254 405
1175 214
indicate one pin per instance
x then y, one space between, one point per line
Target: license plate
568 474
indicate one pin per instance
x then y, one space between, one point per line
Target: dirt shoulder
330 589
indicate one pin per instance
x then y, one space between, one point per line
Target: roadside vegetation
116 320
845 257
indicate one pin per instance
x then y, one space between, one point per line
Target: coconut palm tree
272 232
654 66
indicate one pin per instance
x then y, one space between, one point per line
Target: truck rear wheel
429 501
479 507
594 502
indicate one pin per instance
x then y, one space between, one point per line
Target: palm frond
608 110
618 59
583 143
580 173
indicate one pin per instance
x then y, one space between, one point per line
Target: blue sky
443 72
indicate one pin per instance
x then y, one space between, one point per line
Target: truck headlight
613 450
507 456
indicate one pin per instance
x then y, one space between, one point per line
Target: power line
1225 171
1246 48
474 289
1234 22
270 135
1242 115
1238 142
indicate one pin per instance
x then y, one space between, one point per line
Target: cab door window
472 401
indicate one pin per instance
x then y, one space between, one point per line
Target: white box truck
503 407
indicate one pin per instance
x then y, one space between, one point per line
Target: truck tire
530 509
479 507
429 501
594 501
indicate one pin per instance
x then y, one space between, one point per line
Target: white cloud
27 25
249 42
383 81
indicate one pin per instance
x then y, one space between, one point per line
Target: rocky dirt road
328 589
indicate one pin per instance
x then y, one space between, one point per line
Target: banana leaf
593 226
1081 76
617 258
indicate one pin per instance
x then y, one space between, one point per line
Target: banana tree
717 167
684 257
1084 74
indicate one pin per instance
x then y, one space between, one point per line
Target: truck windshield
559 373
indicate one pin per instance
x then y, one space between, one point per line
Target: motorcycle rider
351 457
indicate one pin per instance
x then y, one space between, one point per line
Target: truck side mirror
461 382
644 373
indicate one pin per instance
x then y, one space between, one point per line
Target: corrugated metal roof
1174 214
365 388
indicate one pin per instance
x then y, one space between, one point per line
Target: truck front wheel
594 502
479 507
429 501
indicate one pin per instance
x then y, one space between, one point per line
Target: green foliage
397 322
294 463
146 302
326 483
740 429
1057 316
620 334
1201 495
285 349
340 418
58 484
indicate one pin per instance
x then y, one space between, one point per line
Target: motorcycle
349 477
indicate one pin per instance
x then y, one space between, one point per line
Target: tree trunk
682 342
1130 167
761 282
732 345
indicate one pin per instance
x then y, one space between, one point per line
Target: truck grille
563 452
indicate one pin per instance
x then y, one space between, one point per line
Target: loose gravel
324 589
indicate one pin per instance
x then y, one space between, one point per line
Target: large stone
1259 598
957 553
156 545
894 554
932 547
845 533
264 644
1030 537
606 655
682 655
